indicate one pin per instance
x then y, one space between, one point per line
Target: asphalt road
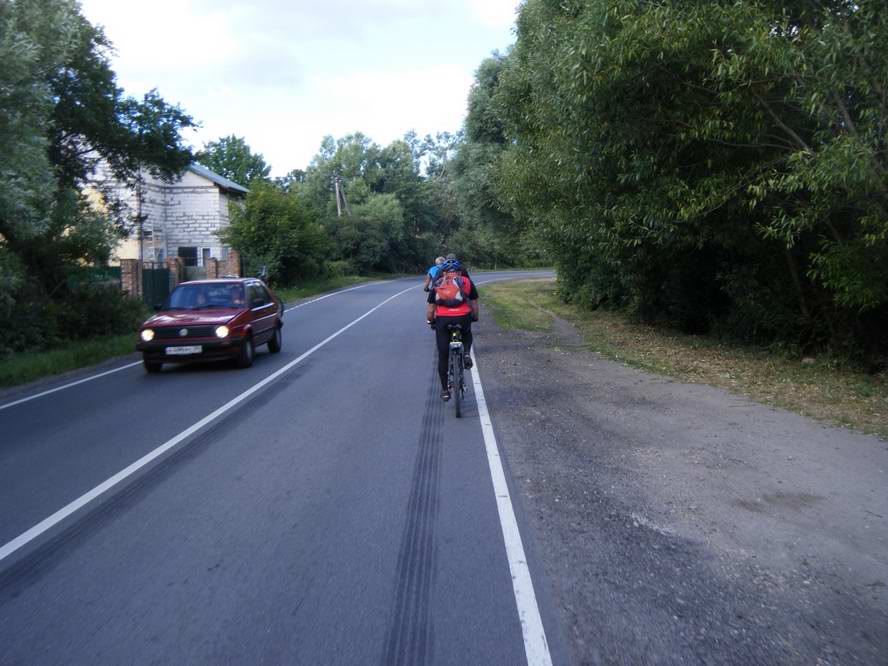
339 514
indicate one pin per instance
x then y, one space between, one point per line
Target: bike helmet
451 265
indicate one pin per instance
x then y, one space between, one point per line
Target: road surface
321 507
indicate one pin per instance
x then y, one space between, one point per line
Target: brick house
178 219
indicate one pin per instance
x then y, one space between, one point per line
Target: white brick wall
186 213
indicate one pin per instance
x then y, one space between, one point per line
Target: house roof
221 181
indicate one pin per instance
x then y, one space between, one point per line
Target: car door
263 310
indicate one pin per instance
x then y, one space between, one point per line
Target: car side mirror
157 307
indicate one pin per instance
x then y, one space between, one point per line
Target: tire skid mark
410 637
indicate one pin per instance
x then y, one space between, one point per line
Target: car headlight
147 334
221 331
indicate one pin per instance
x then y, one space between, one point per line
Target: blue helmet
451 265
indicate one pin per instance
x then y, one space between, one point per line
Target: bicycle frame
455 368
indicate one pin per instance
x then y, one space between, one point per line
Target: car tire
274 343
152 367
247 352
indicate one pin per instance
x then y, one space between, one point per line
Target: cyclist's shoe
467 362
445 395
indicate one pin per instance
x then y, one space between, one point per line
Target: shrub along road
337 514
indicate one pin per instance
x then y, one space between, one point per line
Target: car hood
193 317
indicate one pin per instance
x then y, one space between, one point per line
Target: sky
284 74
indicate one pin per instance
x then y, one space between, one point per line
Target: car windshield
206 296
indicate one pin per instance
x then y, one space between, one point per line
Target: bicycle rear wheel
457 361
454 373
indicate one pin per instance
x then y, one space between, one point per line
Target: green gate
155 284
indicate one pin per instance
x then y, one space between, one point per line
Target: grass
823 389
25 367
508 304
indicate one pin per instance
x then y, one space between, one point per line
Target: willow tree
708 163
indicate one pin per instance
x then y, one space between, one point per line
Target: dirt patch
681 523
823 388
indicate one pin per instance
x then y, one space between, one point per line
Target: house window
205 254
188 255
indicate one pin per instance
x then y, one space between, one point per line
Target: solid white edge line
321 298
536 648
130 365
47 523
59 388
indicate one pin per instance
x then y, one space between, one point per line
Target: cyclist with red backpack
453 299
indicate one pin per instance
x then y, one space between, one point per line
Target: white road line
536 648
47 523
59 388
130 365
341 291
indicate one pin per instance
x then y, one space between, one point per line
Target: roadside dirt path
679 523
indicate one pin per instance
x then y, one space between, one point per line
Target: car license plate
184 351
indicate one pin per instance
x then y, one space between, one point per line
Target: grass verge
27 366
823 389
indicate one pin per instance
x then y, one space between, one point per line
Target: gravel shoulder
680 523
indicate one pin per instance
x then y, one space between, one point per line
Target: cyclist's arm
473 303
430 306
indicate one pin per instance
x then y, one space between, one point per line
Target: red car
210 320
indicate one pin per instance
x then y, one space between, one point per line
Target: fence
153 281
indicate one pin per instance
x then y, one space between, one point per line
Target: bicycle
455 367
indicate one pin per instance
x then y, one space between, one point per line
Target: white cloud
285 73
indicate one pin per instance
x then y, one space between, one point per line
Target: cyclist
432 273
453 299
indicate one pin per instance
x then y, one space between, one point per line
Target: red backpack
452 289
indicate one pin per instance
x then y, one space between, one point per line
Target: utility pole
341 201
139 219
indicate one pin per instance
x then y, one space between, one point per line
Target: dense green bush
97 309
35 322
338 268
275 230
714 165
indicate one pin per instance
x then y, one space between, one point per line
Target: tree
60 113
488 233
231 157
274 229
291 181
712 164
374 179
369 238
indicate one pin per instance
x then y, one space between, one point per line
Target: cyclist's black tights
442 337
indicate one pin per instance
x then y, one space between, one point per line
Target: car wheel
152 366
274 344
247 351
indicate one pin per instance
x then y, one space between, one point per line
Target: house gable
186 213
